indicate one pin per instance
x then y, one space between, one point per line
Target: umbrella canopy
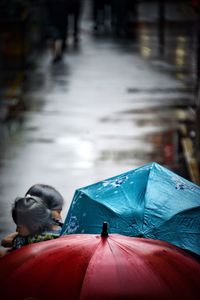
150 202
77 267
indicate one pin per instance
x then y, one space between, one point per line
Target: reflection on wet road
110 106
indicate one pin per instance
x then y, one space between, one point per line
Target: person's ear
56 214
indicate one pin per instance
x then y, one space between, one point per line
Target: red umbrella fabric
89 266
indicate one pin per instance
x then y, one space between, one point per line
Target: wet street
111 105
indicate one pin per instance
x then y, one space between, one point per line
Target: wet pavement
109 106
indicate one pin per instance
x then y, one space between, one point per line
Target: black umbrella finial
104 232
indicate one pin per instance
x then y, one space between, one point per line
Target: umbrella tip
104 232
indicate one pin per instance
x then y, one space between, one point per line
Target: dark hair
32 212
50 196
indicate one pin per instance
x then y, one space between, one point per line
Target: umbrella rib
108 208
145 198
168 220
82 285
125 248
177 232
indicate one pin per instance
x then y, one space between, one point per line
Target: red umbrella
93 267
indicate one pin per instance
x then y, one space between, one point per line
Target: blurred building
20 38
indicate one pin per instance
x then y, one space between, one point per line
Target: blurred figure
119 15
57 18
99 12
74 10
123 14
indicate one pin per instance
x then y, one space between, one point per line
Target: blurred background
114 86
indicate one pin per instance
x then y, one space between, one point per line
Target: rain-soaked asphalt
110 106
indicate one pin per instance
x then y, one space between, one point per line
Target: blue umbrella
150 201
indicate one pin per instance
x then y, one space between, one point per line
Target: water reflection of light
180 51
144 43
83 149
83 165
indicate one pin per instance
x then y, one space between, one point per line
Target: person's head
51 197
31 215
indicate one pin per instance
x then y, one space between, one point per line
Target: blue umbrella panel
150 201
